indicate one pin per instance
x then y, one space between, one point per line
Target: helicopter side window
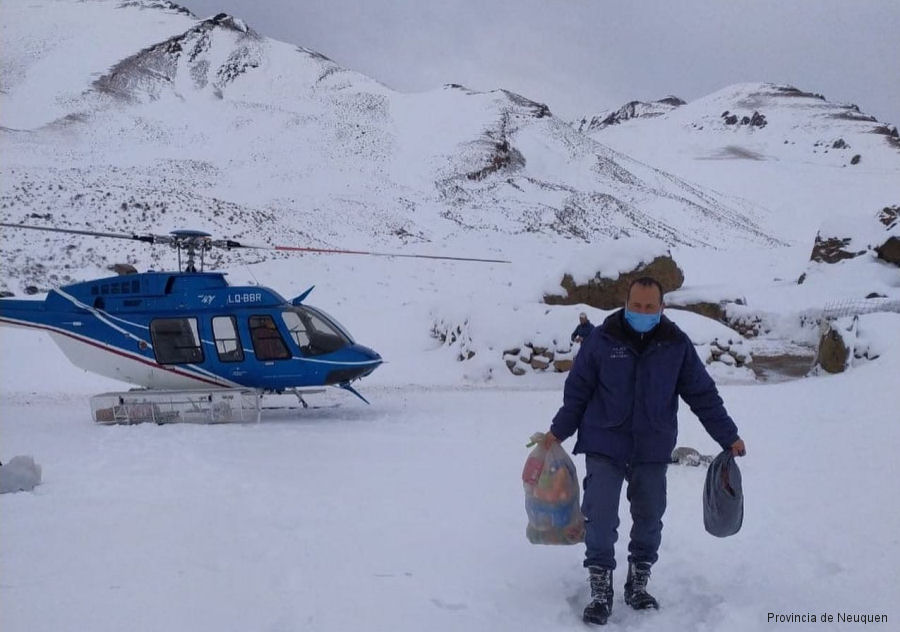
228 343
267 342
297 329
176 341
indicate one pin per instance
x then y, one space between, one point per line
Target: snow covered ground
409 513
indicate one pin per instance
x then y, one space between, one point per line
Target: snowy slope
410 513
795 158
215 126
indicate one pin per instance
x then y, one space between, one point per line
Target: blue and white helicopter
190 340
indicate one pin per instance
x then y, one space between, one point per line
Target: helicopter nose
362 360
366 353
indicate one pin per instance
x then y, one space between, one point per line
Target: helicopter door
267 342
228 343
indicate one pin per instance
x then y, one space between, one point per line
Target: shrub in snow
455 336
600 276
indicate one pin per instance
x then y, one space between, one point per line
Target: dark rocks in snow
122 268
164 5
31 290
716 311
531 358
605 293
503 156
889 216
887 130
673 101
631 110
831 249
855 160
875 295
791 91
890 251
753 120
840 143
6 294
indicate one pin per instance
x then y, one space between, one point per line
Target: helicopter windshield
313 331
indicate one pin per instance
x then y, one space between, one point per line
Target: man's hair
646 282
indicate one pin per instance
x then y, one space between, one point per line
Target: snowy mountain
793 152
138 116
631 110
209 124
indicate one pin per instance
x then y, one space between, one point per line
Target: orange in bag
552 495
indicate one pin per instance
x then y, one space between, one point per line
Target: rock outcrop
609 293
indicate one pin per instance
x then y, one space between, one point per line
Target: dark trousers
646 493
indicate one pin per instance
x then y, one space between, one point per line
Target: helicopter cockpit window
267 342
175 340
312 332
228 343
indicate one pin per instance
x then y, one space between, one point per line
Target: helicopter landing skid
224 405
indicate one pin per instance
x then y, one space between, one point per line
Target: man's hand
549 440
738 448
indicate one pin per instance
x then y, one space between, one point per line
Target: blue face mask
642 323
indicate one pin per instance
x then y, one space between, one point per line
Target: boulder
890 251
716 311
122 268
605 293
562 366
833 352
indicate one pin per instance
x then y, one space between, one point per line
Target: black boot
601 595
636 594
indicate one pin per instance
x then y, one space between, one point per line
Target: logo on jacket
618 353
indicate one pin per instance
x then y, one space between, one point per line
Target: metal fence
855 307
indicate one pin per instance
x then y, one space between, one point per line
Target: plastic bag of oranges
552 495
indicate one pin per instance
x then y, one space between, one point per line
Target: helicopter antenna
250 272
197 242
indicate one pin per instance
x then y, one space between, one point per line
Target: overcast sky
582 56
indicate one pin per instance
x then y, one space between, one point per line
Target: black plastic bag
723 497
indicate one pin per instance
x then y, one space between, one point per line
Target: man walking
621 397
583 330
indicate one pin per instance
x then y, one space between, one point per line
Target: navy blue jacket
584 330
624 402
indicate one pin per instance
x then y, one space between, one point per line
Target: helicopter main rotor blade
228 244
336 251
152 239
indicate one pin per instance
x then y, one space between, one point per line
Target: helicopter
191 342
